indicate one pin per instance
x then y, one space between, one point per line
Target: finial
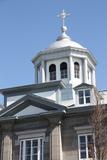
63 15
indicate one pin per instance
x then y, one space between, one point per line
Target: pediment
83 86
30 110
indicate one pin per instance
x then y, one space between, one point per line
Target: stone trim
31 134
84 129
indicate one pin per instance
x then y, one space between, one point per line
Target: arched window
52 71
76 70
63 70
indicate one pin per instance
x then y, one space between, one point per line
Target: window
76 70
31 149
63 70
52 71
86 147
84 96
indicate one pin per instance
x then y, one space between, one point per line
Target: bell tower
65 60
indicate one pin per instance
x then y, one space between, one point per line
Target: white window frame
85 135
24 147
84 97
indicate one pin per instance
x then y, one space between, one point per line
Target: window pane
80 93
90 138
35 143
81 100
83 154
90 146
41 145
35 157
27 158
34 150
63 70
53 75
82 139
83 146
88 100
28 147
87 93
63 73
52 70
21 150
76 69
28 143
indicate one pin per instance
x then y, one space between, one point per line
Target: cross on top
63 15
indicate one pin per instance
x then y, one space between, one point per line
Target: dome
64 42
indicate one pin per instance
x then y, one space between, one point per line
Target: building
49 120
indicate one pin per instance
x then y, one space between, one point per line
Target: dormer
84 95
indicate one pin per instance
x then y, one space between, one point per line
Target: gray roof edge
37 87
36 99
79 110
41 115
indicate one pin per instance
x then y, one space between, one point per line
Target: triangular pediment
30 105
83 86
30 110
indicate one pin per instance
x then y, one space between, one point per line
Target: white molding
69 49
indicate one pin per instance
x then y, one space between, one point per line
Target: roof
33 87
64 40
64 43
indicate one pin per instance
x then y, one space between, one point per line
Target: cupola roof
64 40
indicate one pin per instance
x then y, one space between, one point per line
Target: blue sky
28 26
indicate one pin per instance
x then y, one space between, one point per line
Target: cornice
63 49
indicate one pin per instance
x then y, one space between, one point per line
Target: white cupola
65 60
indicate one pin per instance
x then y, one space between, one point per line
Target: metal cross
63 15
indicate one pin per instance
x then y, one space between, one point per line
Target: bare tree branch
98 122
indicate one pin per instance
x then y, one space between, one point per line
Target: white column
36 74
58 74
71 70
43 71
93 77
85 71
